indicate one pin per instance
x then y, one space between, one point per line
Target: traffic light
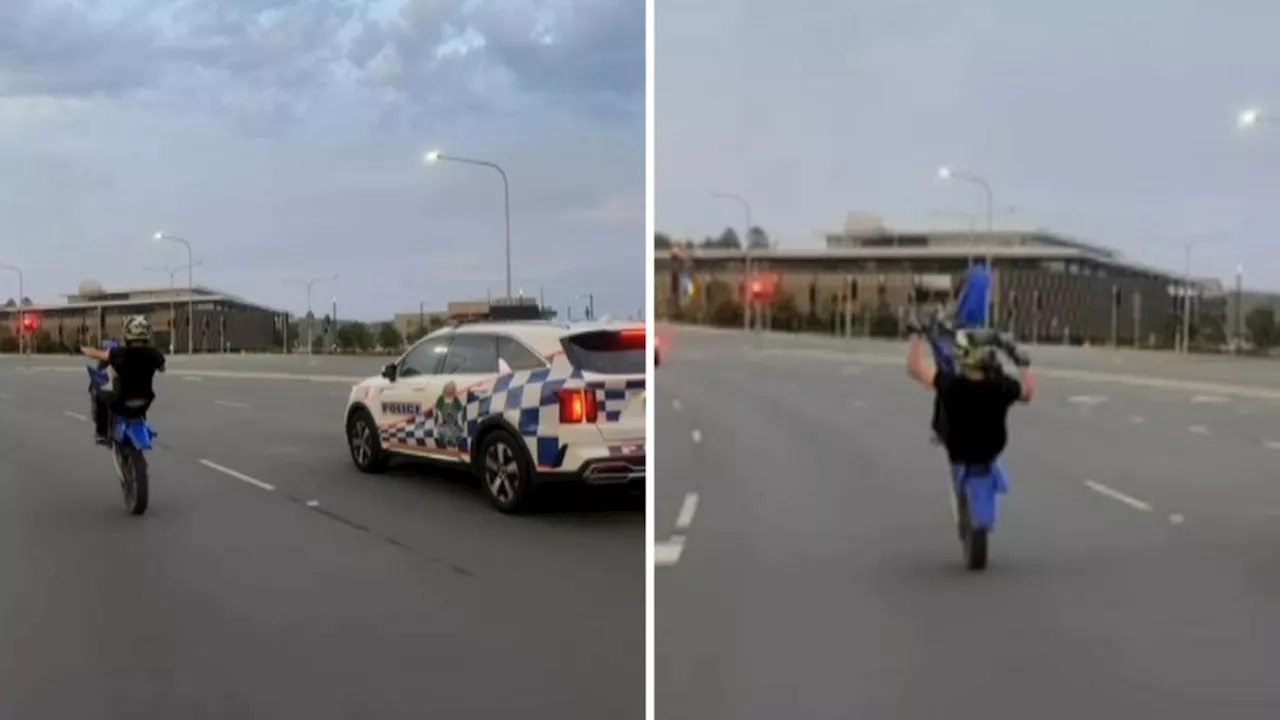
30 322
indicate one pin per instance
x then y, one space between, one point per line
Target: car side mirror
389 372
503 367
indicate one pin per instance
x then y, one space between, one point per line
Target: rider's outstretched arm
1027 380
919 366
93 353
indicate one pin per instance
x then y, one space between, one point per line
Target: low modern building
1045 285
461 311
218 321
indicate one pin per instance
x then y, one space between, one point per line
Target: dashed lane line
688 509
666 554
75 416
238 475
230 403
1117 495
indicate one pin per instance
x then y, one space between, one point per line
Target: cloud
284 136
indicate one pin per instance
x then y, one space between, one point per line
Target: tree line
757 239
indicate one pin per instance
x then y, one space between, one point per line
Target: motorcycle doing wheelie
129 436
975 488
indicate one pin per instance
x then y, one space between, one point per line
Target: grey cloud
498 52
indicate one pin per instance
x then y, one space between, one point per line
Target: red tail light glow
577 406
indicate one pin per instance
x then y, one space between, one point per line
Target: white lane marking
1273 444
668 553
697 436
1176 519
75 415
230 403
1208 400
313 503
1135 418
1199 429
192 378
687 510
1088 400
237 475
675 405
1117 495
851 370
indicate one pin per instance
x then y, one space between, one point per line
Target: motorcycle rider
133 367
975 394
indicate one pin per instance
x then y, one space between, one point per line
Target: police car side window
518 356
425 358
472 354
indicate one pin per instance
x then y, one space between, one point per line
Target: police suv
518 403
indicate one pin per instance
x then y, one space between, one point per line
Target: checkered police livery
577 417
527 399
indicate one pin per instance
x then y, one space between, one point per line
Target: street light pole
947 173
311 320
747 301
1239 339
173 319
191 288
22 293
436 155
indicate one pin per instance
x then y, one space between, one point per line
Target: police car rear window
607 352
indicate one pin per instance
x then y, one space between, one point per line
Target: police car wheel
506 472
362 440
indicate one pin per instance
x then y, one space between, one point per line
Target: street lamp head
1249 118
944 173
431 156
158 236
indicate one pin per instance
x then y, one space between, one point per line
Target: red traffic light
30 322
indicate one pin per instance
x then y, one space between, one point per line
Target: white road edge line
687 510
1117 495
75 415
231 403
668 553
237 475
1199 429
697 436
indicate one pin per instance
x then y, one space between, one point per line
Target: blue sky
284 139
1111 121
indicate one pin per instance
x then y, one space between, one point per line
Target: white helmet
137 329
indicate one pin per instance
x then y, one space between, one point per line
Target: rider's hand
914 326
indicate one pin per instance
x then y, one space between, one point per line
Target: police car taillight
577 406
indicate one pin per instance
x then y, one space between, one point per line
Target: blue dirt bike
975 488
129 436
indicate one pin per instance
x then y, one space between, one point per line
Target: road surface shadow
575 504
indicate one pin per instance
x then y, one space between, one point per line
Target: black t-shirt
975 412
135 368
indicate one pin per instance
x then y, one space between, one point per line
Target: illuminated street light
434 156
191 288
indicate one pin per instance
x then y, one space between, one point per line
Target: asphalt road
1133 573
272 580
347 367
